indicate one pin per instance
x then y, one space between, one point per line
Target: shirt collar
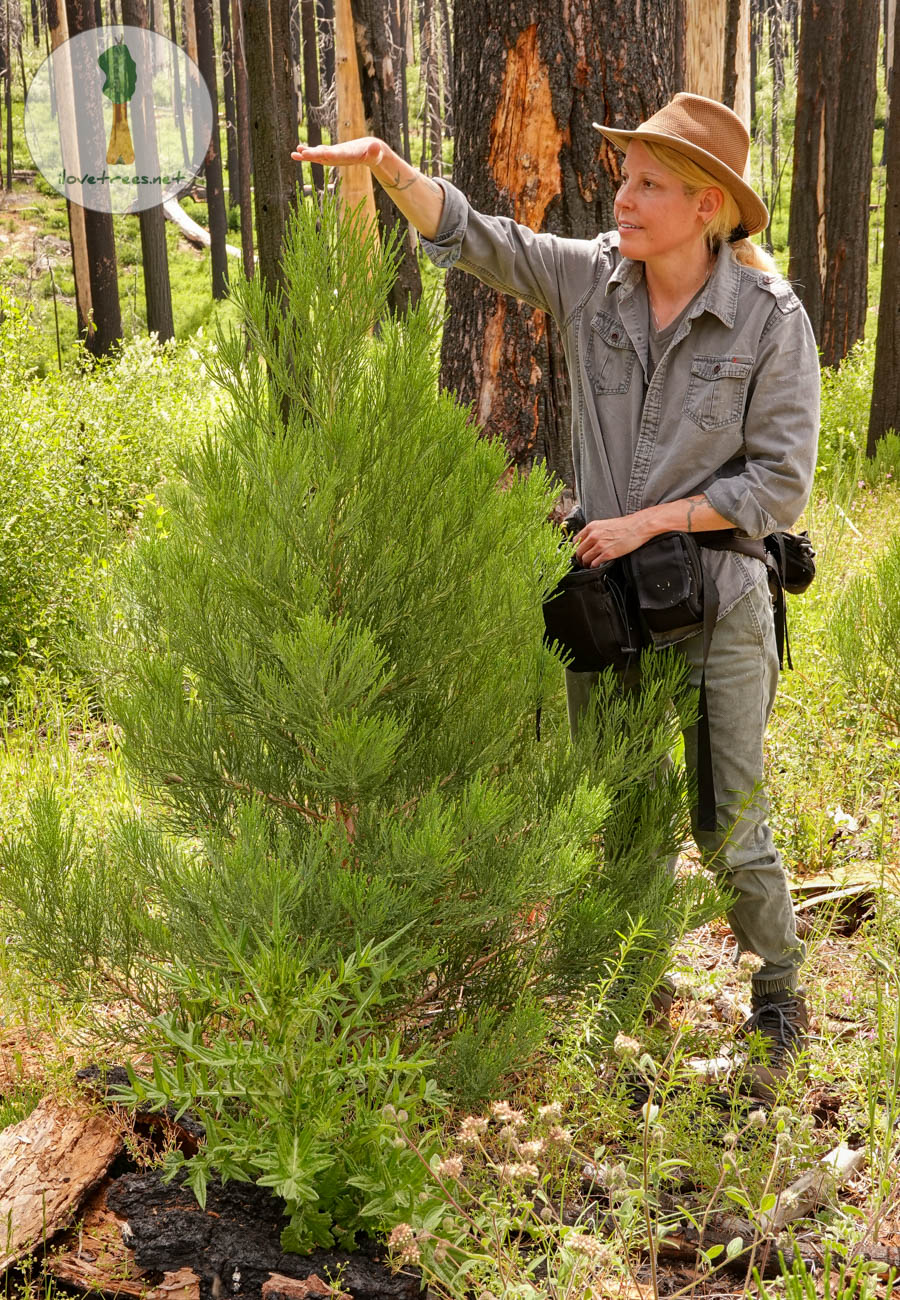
720 295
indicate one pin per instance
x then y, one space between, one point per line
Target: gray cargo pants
741 680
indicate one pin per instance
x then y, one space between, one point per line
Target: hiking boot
782 1021
660 1004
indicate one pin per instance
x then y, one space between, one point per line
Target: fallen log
94 1257
49 1162
190 228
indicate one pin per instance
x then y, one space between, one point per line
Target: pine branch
243 788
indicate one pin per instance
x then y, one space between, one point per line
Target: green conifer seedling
325 670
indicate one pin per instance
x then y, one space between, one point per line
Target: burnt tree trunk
885 410
731 60
382 106
325 15
154 250
242 108
231 163
311 93
829 218
530 78
212 166
98 229
273 174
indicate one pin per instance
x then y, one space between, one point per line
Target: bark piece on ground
234 1244
49 1162
183 1284
806 1193
279 1287
94 1257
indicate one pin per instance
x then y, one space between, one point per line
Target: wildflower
507 1133
561 1136
587 1245
452 1167
547 1215
510 1172
388 1112
471 1129
757 1119
552 1111
782 1141
502 1111
402 1117
783 1113
403 1245
626 1047
528 1150
729 1141
750 963
440 1252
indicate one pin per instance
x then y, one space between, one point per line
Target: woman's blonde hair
695 178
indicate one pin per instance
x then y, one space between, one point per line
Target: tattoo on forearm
396 183
693 504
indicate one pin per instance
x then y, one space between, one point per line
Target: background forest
277 830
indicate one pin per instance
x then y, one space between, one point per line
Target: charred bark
829 218
98 229
382 107
529 82
231 149
242 106
154 250
215 191
311 93
273 176
885 410
238 1233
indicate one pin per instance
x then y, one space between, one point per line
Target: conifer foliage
362 869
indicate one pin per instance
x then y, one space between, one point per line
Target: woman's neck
672 281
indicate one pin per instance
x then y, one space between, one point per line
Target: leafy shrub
80 452
846 398
325 666
865 630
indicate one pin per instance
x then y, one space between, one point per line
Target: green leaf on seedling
734 1247
768 1203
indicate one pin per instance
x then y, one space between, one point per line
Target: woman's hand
419 198
366 151
606 539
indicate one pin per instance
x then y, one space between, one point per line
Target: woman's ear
709 201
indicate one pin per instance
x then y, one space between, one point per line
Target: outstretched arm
419 198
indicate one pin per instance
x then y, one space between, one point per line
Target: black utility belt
603 617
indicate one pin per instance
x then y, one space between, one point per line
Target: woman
695 396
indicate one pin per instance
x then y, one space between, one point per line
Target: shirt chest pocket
610 357
717 390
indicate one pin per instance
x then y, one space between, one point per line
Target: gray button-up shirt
732 409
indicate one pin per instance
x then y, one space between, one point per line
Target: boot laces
779 1022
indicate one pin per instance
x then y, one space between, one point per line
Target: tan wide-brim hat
713 136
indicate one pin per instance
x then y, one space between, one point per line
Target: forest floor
834 780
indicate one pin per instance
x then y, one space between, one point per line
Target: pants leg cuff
782 984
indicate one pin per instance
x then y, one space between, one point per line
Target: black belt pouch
586 617
668 582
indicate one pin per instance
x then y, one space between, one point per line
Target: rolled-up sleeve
781 430
541 269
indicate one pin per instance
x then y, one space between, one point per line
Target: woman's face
654 215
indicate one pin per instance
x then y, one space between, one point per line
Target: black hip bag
603 617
